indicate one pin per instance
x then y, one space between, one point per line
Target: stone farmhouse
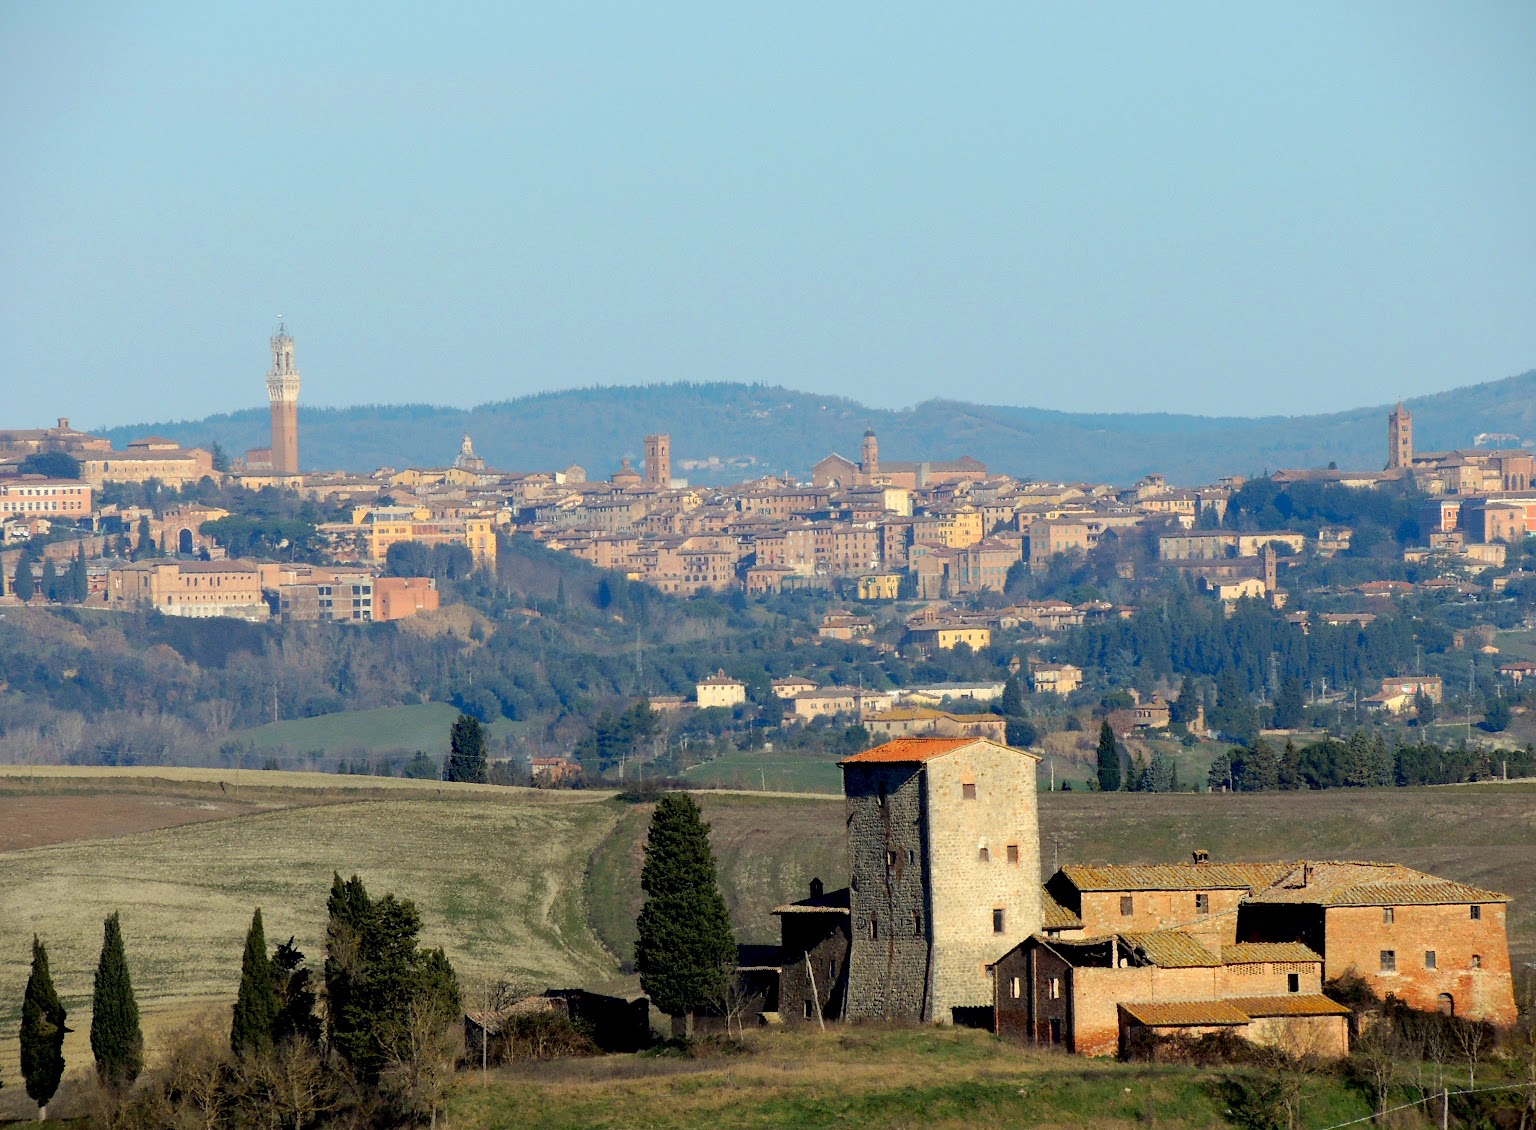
945 920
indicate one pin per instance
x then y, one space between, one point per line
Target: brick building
30 496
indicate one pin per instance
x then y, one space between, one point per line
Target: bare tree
419 1074
1375 1059
1472 1038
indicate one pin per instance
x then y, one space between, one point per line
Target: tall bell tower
1400 439
283 392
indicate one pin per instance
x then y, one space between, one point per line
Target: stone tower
944 866
658 460
870 465
283 392
1399 439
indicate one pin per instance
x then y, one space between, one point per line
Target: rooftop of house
1254 953
832 902
1172 949
1175 876
917 750
1054 916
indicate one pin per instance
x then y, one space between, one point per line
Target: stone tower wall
890 919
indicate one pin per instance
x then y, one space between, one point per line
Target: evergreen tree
1109 759
1219 775
292 986
49 586
77 582
1160 776
1424 709
42 1033
1256 769
1289 707
24 584
375 974
146 544
1290 767
1184 708
256 1005
466 761
116 1041
684 945
1012 704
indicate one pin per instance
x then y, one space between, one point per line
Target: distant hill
736 431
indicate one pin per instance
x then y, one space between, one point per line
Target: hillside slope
749 430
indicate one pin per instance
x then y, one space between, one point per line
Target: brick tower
870 464
1399 439
283 392
658 460
944 865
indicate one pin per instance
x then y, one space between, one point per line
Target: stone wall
888 966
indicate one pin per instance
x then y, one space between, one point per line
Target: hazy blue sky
1221 208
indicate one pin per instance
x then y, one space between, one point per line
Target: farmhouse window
810 1010
1013 853
1054 989
1477 961
1389 961
984 855
1013 988
1202 904
890 859
874 928
1430 960
1127 906
999 916
1477 912
1388 915
968 792
917 923
1293 982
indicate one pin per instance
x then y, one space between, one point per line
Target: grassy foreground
867 1077
496 875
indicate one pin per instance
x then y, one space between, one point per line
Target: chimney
1306 874
1202 856
816 888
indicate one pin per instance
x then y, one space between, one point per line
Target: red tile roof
908 750
1183 1014
1297 1004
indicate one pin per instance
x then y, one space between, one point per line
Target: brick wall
1163 910
1357 935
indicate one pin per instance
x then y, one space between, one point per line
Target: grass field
386 730
495 873
873 1078
774 772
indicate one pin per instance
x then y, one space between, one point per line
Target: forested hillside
736 431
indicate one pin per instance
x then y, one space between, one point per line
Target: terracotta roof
1252 953
1297 1004
1180 1014
1055 916
1177 876
909 750
832 902
1173 949
1334 883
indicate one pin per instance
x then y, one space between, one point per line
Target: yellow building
880 586
720 690
956 528
386 525
945 636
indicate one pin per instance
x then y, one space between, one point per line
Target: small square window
1430 960
1202 904
999 920
1477 961
1477 912
1388 915
1293 982
968 792
1389 961
1127 906
984 855
1013 853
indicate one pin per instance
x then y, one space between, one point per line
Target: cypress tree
1012 705
24 584
42 1033
50 583
684 945
116 1041
256 1006
466 761
1109 759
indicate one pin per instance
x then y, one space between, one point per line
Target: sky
1216 208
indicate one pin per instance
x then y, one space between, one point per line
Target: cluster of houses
945 920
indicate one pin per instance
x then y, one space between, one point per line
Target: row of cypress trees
116 1040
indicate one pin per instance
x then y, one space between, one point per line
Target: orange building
36 496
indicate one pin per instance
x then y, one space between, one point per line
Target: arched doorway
184 542
1447 1004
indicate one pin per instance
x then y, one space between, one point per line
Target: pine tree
256 1006
42 1033
466 761
1109 760
116 1041
684 945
